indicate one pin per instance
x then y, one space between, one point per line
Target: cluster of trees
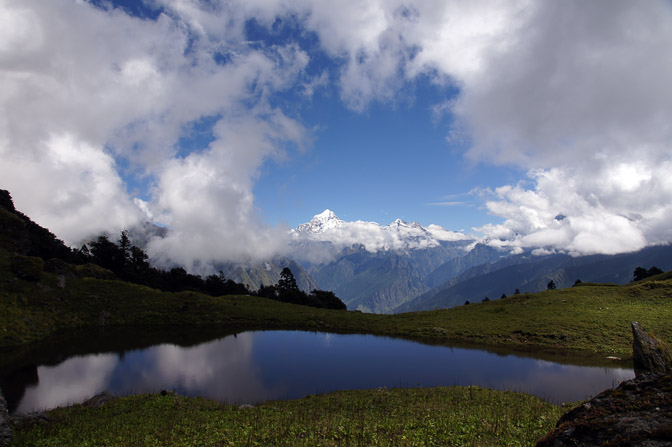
486 299
642 273
288 291
130 263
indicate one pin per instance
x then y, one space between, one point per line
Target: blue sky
389 160
386 162
230 121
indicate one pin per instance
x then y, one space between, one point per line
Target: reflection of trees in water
14 384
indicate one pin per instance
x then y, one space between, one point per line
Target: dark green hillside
19 234
592 317
34 249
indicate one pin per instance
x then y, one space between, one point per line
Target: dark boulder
30 418
648 353
638 413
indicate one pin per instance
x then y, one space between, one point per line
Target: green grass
457 416
593 318
581 321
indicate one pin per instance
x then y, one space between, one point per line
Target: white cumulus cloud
92 99
583 100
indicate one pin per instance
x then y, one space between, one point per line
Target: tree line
642 273
130 263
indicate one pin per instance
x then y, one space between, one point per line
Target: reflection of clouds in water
72 381
222 369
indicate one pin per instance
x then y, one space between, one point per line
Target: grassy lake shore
455 416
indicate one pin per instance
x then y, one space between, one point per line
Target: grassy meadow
455 416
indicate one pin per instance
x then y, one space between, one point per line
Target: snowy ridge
323 222
399 235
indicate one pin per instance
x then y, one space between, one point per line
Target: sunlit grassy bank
588 318
398 417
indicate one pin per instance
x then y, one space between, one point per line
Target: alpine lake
254 366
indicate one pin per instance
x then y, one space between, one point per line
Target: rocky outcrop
5 424
648 353
638 413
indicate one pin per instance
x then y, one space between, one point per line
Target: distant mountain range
371 267
405 266
529 273
408 267
376 268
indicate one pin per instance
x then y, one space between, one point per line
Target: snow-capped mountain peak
399 223
399 235
321 223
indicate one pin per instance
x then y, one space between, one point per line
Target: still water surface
255 366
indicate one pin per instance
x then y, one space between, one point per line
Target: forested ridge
123 260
